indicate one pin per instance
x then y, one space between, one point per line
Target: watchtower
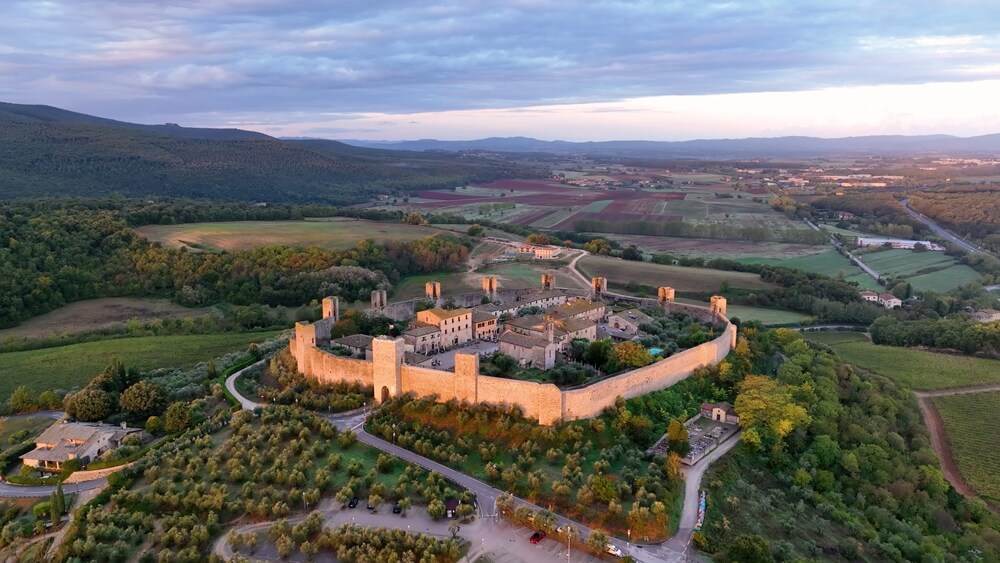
599 286
387 365
490 286
432 290
379 299
718 305
665 295
331 308
548 281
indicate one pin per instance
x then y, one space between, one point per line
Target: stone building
529 351
455 324
423 339
581 309
563 330
65 441
360 345
720 412
628 321
485 325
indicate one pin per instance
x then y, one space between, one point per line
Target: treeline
972 214
55 253
721 231
835 466
76 159
825 298
951 333
874 211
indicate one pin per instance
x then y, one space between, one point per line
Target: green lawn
700 280
974 439
927 271
917 369
71 366
830 338
765 316
945 280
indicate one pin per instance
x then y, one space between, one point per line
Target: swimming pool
655 351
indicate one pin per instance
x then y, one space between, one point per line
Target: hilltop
47 151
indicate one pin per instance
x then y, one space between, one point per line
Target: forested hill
47 151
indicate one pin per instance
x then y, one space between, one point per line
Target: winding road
486 495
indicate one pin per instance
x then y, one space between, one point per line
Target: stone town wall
589 401
546 402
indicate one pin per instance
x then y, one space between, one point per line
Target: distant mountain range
775 147
47 151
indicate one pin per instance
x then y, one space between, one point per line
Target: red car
537 537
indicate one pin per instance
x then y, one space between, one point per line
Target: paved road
231 386
839 246
22 491
939 230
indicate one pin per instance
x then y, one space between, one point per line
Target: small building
628 321
360 345
455 324
889 301
544 252
423 339
529 351
419 360
485 325
869 296
720 412
986 315
65 441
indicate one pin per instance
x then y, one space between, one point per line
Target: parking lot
705 435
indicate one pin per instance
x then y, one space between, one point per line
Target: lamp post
628 544
569 541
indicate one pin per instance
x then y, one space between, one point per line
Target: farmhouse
65 441
869 296
889 301
720 412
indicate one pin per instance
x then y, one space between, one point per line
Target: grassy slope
74 365
241 235
680 278
917 369
974 439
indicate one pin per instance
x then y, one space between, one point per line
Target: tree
89 405
598 246
631 252
404 504
415 219
178 417
435 509
677 437
476 230
749 548
285 546
50 400
537 238
154 425
142 400
597 541
23 400
630 354
767 410
598 352
60 499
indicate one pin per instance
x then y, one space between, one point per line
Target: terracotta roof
415 359
578 307
522 341
422 330
480 316
447 313
362 341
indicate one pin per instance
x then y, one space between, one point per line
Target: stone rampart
545 402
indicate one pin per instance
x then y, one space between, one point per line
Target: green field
974 439
766 316
830 263
927 271
334 232
917 369
11 425
413 286
700 280
74 365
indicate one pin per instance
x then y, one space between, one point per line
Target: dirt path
939 439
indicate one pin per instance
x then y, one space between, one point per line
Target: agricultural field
829 263
65 367
927 271
917 369
751 252
462 228
767 317
95 314
974 439
22 427
334 232
698 280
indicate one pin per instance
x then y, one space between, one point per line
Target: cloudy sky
583 70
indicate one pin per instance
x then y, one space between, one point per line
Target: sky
465 69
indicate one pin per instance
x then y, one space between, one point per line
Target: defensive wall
390 376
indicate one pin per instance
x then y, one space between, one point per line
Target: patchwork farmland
927 271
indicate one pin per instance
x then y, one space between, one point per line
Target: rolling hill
46 151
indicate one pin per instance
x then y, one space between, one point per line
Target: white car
613 550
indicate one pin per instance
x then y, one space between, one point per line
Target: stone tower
379 300
387 362
599 286
331 308
665 295
432 290
490 286
718 305
548 281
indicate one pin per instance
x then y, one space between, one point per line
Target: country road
939 230
486 496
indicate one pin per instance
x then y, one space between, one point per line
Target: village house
529 351
360 345
423 339
889 301
628 321
563 330
581 309
455 324
869 296
485 325
65 441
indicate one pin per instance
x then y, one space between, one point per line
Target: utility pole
569 541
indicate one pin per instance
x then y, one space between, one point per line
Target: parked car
371 506
613 550
354 502
396 508
537 537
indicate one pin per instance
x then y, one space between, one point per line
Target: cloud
176 60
